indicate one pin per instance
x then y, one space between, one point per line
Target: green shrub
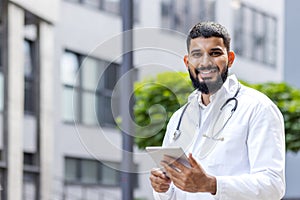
158 98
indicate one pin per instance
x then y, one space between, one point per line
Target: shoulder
254 96
258 101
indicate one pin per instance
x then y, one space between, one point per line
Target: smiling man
233 135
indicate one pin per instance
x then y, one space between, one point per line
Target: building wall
89 31
47 10
96 33
291 73
292 70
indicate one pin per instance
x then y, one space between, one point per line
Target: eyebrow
217 49
213 49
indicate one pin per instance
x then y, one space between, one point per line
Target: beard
209 87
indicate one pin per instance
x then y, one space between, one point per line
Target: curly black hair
207 30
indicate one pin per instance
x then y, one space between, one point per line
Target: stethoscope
177 132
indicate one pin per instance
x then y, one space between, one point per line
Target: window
30 181
72 167
110 6
89 171
92 3
88 85
70 65
255 35
86 171
1 76
109 175
29 159
29 103
1 48
181 15
1 65
1 11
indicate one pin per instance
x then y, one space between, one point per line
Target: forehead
202 43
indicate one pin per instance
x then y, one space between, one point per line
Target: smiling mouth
206 70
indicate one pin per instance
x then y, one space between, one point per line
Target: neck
205 98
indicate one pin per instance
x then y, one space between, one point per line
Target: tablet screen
157 154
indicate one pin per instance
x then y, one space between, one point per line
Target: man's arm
266 152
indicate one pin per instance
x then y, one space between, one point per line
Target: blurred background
60 61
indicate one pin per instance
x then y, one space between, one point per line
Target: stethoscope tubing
177 132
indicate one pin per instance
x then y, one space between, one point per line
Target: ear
186 61
231 57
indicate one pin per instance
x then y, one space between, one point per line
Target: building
58 136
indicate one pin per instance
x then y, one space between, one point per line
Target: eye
196 54
216 53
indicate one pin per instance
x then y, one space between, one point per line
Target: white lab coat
250 162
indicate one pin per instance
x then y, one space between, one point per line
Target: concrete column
46 130
15 102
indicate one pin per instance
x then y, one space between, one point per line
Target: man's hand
192 179
159 181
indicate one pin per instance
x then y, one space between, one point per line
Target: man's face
208 62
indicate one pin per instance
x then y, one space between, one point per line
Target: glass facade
109 6
1 76
92 172
255 35
181 15
29 186
29 76
88 85
1 65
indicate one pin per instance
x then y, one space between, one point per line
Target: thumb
193 162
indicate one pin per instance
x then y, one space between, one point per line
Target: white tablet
157 154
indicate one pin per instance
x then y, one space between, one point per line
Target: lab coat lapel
189 124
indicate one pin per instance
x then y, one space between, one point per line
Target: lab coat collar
227 90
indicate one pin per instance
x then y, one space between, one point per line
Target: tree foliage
158 98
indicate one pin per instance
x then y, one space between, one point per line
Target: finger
161 188
159 180
175 176
158 172
158 184
171 171
159 177
193 162
175 163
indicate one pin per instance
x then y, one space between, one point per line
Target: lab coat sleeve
266 151
170 194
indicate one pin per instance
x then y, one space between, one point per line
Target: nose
205 61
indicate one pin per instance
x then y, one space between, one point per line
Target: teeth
207 72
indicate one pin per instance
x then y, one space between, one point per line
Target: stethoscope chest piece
176 134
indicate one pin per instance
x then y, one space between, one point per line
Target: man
233 135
